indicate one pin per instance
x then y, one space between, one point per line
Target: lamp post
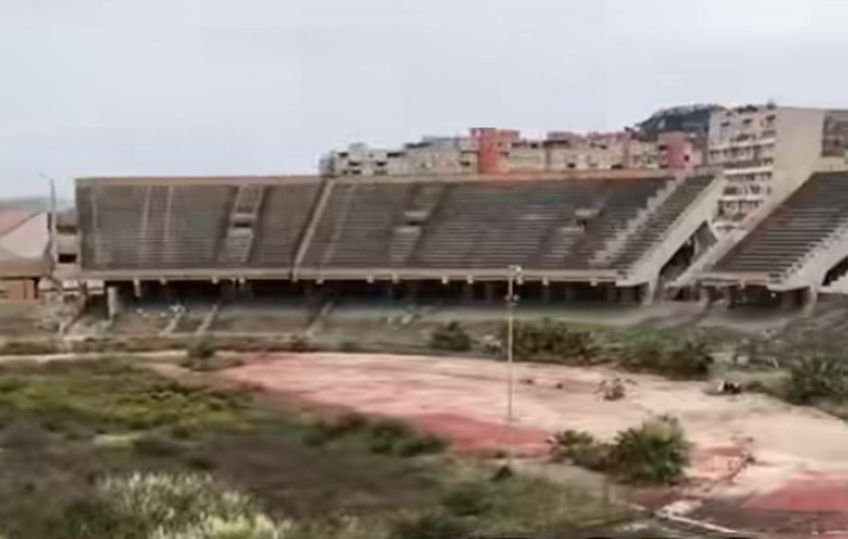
511 301
54 248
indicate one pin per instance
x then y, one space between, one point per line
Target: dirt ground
759 463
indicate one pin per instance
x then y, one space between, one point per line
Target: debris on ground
612 390
725 387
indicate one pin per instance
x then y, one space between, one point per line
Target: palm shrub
816 377
654 453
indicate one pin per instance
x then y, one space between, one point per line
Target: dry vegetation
75 435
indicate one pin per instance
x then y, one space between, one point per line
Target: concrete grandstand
614 235
789 252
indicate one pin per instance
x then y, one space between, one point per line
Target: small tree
655 453
450 337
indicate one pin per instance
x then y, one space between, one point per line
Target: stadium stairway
241 227
664 231
617 243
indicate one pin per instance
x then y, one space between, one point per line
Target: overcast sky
119 87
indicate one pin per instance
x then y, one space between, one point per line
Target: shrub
384 436
389 436
450 337
321 432
200 349
647 355
158 506
816 377
211 363
581 448
655 453
420 444
299 343
25 348
350 346
550 341
692 360
157 446
468 499
87 517
431 526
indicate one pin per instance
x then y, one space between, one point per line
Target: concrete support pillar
788 300
728 295
489 291
468 292
389 291
546 293
228 291
704 296
168 292
570 292
245 289
648 292
412 291
113 301
810 298
611 293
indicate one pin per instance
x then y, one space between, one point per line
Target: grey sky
264 86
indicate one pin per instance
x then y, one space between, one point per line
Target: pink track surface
782 464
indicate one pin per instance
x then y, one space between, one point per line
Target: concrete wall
798 147
20 289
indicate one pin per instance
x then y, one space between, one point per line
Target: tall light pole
511 301
54 247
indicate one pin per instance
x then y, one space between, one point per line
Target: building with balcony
767 151
503 151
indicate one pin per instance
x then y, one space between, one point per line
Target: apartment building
503 151
767 151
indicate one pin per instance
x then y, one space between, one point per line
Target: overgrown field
84 445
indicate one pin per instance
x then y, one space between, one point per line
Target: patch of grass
524 506
151 445
111 394
139 421
430 526
29 347
380 436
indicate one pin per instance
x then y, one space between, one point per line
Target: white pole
54 247
510 360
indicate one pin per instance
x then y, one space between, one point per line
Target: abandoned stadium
608 236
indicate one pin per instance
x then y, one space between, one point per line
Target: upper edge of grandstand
194 180
617 174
